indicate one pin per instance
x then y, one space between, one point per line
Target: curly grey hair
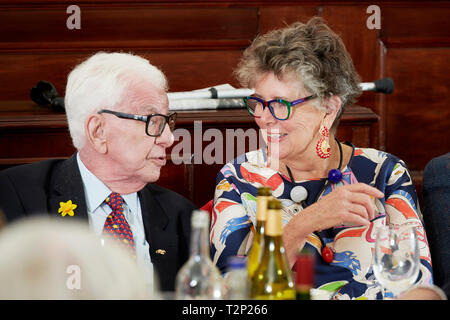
313 53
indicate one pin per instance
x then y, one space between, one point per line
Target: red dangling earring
323 147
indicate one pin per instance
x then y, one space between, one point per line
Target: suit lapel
163 244
154 217
65 185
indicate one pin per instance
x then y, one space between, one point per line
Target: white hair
40 258
100 82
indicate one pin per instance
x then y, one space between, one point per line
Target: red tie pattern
116 225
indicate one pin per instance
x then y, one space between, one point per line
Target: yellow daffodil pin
67 208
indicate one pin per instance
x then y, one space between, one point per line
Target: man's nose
166 139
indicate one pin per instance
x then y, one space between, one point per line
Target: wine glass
396 258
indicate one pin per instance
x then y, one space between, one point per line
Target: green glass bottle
254 257
272 280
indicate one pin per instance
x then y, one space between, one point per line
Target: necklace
299 195
334 175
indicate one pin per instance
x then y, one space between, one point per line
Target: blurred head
299 61
128 84
49 259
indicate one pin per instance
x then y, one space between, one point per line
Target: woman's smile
275 137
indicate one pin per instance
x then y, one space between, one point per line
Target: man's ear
333 105
95 133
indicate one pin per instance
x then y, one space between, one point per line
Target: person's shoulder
256 159
24 188
26 173
440 163
437 172
375 155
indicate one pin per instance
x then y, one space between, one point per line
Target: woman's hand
349 204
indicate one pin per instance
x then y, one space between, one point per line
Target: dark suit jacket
38 188
436 216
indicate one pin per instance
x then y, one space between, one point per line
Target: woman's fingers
355 219
350 204
365 205
365 188
360 210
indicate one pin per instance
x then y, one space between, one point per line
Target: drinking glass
396 258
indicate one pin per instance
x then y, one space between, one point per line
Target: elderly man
117 111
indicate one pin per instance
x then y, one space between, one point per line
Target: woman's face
291 138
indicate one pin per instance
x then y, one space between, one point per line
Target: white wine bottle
254 257
199 278
272 280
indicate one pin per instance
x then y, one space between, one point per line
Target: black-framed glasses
279 108
154 123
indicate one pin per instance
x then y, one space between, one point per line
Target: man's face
135 156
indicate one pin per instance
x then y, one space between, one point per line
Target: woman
334 195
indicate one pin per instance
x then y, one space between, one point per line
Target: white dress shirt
95 192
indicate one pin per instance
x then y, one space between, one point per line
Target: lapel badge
161 252
67 208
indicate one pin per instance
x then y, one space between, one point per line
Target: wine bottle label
274 224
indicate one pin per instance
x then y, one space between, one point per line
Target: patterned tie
116 225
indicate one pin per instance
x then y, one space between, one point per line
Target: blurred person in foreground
119 121
44 258
334 195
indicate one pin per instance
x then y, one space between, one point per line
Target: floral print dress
349 275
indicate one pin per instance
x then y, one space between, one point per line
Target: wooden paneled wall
416 51
30 133
198 43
